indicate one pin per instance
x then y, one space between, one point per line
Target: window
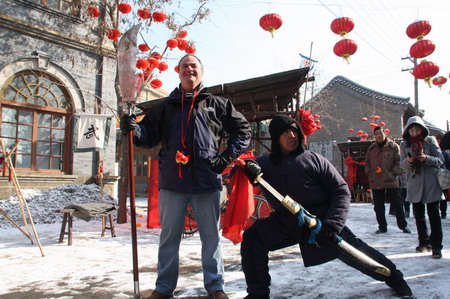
71 7
34 113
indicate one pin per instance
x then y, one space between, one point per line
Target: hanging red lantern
376 117
176 69
153 62
387 131
163 66
425 70
113 34
271 22
342 26
182 44
364 119
439 81
360 132
142 64
124 7
143 47
156 83
382 124
156 55
182 34
93 12
365 135
351 130
144 13
172 43
191 50
418 29
422 48
159 16
345 48
373 125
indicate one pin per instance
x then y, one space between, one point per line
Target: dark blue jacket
211 116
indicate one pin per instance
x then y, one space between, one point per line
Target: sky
101 267
233 47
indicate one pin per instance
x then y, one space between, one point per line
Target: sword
294 207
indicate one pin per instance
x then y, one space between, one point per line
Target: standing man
382 165
311 180
189 124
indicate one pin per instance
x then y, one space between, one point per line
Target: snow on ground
96 267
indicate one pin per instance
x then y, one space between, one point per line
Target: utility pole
416 85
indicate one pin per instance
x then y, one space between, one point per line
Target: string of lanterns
345 47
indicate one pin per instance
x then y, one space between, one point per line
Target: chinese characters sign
91 132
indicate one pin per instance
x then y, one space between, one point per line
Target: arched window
34 109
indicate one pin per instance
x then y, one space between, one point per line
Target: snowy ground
96 267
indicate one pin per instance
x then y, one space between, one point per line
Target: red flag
153 195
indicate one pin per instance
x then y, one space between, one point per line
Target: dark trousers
443 204
255 250
379 198
435 237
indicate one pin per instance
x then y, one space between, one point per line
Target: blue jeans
172 209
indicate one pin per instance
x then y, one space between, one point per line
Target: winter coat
388 159
311 180
211 117
422 185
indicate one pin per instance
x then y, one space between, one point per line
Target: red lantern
373 125
351 130
172 43
360 132
93 12
365 135
156 83
156 55
382 124
422 48
142 64
143 47
425 70
153 62
376 117
159 16
418 29
124 7
191 50
439 81
345 48
182 44
113 34
271 22
176 69
364 119
163 66
387 131
182 34
144 13
342 26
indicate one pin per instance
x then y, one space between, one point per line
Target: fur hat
278 125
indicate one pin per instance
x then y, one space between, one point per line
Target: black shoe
253 296
402 289
423 248
436 254
381 231
444 216
406 230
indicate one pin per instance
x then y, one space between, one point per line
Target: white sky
233 47
95 267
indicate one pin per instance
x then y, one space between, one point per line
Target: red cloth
153 195
351 171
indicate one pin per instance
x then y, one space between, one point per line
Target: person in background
420 158
311 180
189 124
382 166
443 202
402 184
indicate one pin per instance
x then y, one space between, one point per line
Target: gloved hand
128 124
220 162
252 170
326 236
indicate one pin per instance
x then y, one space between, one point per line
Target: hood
277 126
415 120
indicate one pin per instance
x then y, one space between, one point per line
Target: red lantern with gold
191 50
345 48
422 48
159 16
142 64
124 7
425 70
439 81
113 34
342 26
172 43
351 130
418 29
144 13
271 22
93 12
163 66
182 44
156 83
143 47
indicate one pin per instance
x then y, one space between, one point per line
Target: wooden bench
68 220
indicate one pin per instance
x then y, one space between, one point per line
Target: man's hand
252 170
326 236
219 164
128 124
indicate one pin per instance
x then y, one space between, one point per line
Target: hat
278 125
415 120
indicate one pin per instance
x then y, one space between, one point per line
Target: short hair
179 62
377 128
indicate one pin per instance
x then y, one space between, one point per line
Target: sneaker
436 254
423 248
218 295
403 290
253 296
157 295
406 230
381 231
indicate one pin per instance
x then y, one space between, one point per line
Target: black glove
128 124
326 236
252 170
219 163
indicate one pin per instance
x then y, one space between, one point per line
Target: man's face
190 73
415 130
288 141
380 135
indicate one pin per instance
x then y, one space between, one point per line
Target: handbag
443 176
